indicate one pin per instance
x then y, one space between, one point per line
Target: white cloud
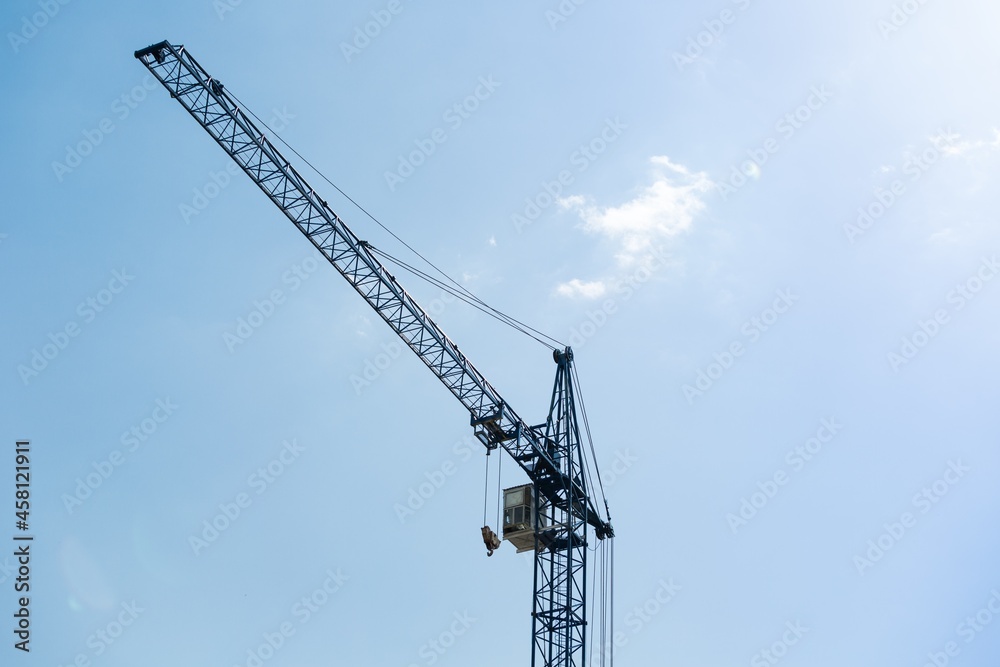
639 227
573 201
951 143
576 288
946 235
362 325
663 209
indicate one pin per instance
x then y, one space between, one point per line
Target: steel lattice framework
559 613
544 452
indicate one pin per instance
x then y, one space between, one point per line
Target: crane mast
549 453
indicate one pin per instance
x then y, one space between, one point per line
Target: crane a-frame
562 509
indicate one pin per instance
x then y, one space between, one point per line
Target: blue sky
767 229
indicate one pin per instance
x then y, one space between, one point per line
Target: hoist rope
486 487
590 439
604 605
593 602
492 312
499 495
611 602
497 314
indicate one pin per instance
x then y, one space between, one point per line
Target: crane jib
206 99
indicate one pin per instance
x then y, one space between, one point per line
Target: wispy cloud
943 236
952 144
576 288
661 210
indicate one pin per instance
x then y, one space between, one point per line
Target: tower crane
551 516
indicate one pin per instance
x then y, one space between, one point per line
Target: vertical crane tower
551 453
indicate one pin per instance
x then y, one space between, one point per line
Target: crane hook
491 540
